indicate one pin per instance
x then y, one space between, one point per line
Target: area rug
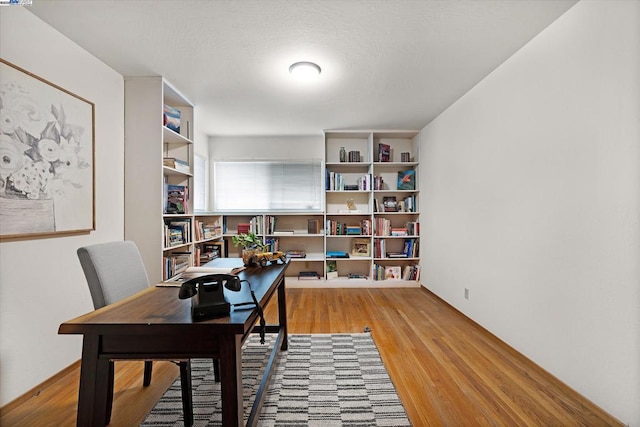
322 380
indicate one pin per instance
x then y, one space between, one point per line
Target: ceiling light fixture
305 70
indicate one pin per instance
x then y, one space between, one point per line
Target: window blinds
268 185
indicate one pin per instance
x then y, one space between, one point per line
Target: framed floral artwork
46 157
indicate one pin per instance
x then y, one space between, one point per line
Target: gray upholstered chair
114 271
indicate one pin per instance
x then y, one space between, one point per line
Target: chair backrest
113 270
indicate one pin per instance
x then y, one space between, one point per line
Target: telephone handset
208 296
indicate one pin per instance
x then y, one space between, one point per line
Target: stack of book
308 275
296 253
177 164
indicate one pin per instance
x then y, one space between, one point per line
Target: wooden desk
154 324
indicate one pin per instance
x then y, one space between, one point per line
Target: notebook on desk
193 272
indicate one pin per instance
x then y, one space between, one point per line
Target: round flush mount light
305 70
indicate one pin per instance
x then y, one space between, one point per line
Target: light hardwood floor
448 371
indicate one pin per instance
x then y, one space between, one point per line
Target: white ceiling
386 64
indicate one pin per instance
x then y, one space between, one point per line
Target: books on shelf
177 198
313 226
396 272
177 164
384 152
296 253
283 232
177 232
337 254
396 255
175 263
407 180
308 275
356 276
204 231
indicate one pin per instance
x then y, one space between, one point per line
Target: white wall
531 199
41 281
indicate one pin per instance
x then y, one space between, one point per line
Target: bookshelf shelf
148 142
385 157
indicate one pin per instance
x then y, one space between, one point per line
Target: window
199 179
268 185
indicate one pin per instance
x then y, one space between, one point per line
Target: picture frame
361 248
47 143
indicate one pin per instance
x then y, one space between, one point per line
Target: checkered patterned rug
322 380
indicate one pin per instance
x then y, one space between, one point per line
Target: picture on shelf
393 273
171 118
332 269
407 180
361 247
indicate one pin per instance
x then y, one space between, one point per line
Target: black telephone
208 295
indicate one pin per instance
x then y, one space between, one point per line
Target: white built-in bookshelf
169 241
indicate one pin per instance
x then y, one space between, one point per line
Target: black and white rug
322 380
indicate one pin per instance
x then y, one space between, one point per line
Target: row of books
409 250
204 231
383 227
208 252
253 226
177 164
334 181
395 272
177 232
337 228
175 263
392 204
272 244
384 154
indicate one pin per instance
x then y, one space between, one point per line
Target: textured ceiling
386 64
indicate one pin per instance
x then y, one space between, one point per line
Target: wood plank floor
447 370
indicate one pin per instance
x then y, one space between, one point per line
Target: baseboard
38 388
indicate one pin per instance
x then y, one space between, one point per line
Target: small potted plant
251 245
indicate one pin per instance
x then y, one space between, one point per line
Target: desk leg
93 397
282 315
231 380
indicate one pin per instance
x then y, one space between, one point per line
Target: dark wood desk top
158 308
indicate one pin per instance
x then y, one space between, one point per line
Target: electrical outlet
466 293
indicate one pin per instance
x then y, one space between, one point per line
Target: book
337 254
384 152
296 253
313 226
176 199
308 275
407 180
193 272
